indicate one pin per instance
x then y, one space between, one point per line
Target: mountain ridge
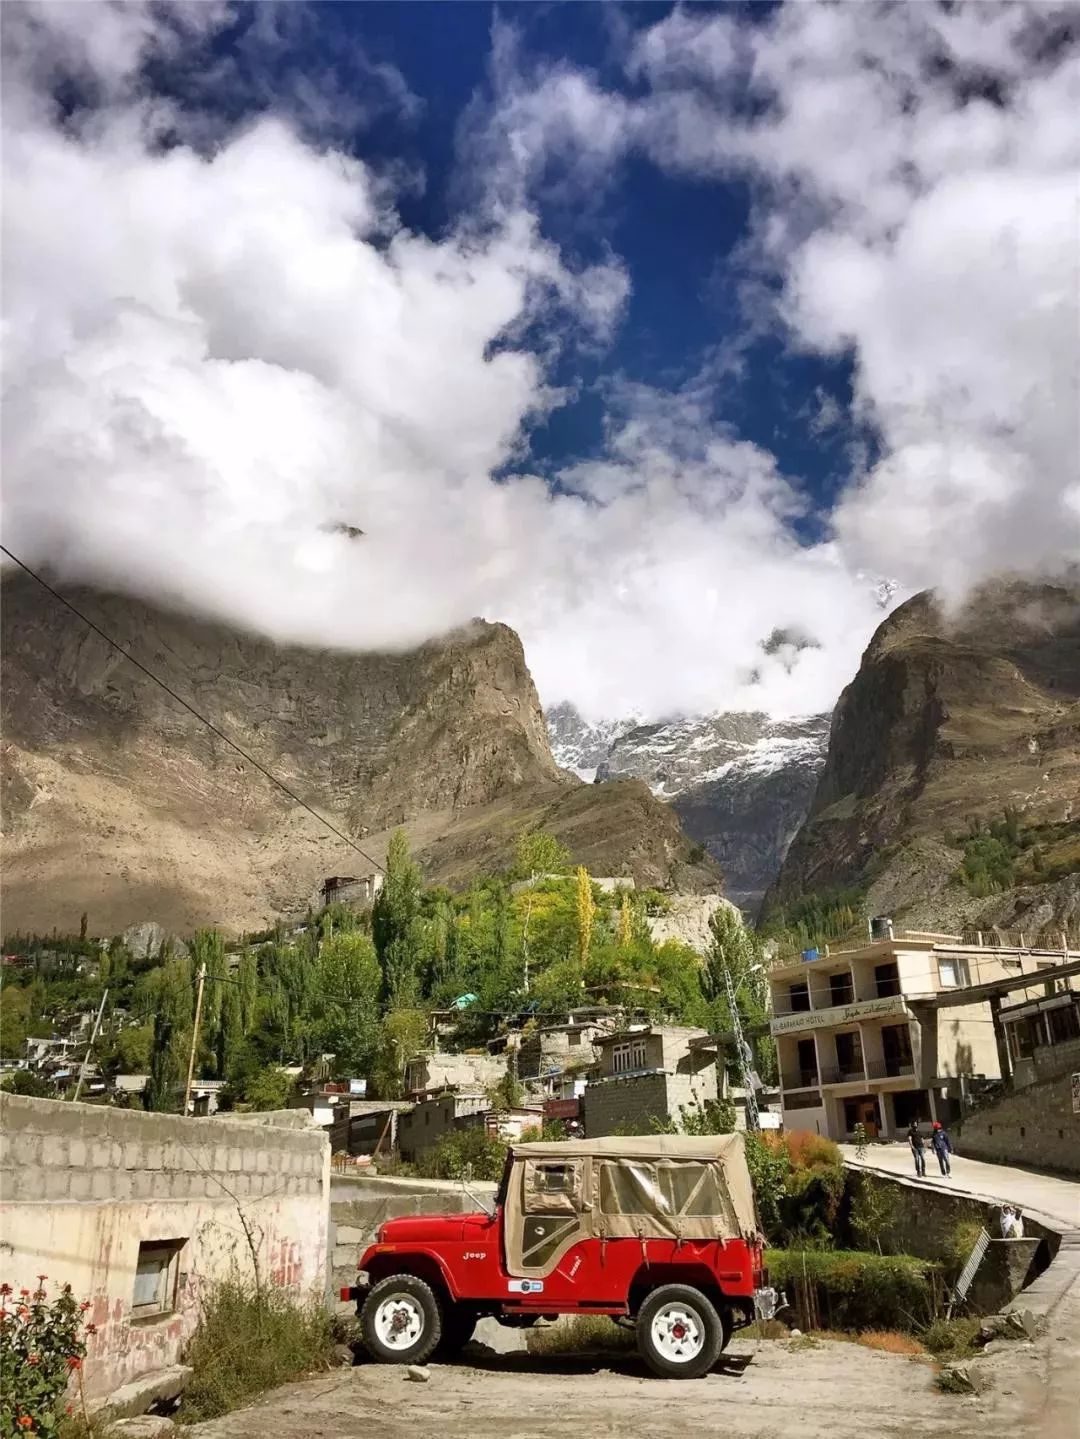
123 803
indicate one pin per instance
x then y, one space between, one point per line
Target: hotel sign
839 1015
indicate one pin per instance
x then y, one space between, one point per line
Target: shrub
463 1154
769 1166
845 1289
42 1344
952 1338
580 1332
873 1211
249 1340
811 1151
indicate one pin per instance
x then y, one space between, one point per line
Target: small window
628 1056
574 1037
155 1277
554 1178
953 973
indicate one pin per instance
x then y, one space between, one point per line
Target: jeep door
546 1214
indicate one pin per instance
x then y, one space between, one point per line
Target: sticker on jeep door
526 1286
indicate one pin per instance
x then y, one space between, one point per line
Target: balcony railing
842 1073
801 1079
889 1068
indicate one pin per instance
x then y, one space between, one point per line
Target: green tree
737 949
396 925
537 853
347 1006
24 1081
403 1034
269 1089
586 912
133 1048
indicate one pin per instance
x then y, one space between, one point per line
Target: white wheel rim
677 1333
399 1321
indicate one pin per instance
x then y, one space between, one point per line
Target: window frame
958 965
166 1252
629 1055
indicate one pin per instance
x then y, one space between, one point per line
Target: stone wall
84 1186
632 1103
1035 1126
925 1222
360 1204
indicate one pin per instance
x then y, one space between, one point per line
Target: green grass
248 1342
580 1333
855 1291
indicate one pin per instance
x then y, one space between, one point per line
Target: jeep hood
446 1228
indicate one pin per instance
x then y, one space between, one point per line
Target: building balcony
889 1068
843 1074
800 1079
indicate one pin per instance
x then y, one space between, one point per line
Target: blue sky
650 330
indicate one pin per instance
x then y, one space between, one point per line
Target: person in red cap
941 1145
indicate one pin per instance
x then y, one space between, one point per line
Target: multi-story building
855 1047
648 1072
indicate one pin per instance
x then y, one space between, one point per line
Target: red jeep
660 1231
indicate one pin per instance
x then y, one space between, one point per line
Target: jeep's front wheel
400 1321
679 1333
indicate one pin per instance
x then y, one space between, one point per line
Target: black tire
458 1326
727 1324
385 1327
688 1354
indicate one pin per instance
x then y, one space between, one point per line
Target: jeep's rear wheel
400 1321
679 1333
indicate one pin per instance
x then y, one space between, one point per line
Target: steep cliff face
950 719
741 783
119 801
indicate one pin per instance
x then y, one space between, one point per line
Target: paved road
1055 1202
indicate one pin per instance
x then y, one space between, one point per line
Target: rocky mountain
952 720
120 802
740 783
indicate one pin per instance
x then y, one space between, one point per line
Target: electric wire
191 709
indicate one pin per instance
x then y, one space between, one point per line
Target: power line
190 708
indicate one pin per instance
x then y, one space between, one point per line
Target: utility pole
194 1037
743 1050
89 1047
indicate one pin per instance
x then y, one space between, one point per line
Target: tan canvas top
656 1185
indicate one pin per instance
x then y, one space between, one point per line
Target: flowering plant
42 1343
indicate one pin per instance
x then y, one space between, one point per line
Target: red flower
5 1288
74 1362
42 1278
25 1293
33 1359
3 1313
85 1305
22 1311
91 1329
25 1422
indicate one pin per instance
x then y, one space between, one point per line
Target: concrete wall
632 1103
83 1186
1034 1126
422 1127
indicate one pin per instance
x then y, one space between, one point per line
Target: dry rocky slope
119 802
951 717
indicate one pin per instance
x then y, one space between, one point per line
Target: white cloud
216 351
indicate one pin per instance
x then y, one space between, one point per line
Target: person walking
942 1146
918 1149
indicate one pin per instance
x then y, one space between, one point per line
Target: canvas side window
631 1188
552 1186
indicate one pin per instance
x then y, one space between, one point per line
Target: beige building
442 1069
648 1072
853 1046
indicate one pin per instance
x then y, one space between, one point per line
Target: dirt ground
832 1390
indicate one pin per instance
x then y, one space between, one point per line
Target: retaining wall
1034 1126
84 1186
